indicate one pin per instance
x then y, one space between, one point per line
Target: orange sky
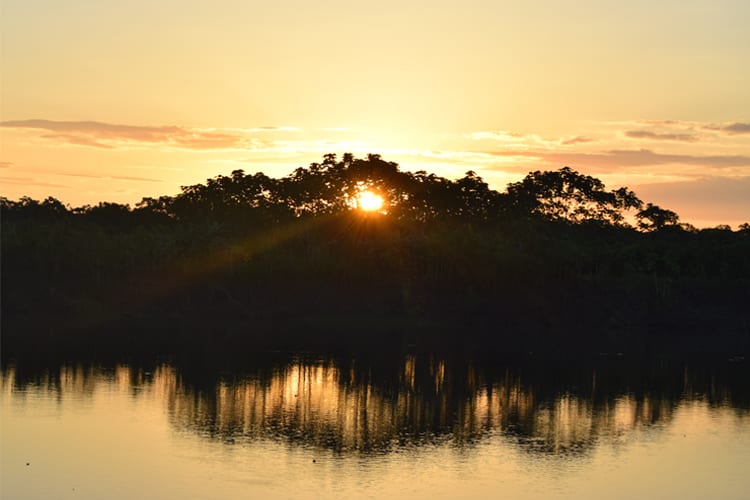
116 101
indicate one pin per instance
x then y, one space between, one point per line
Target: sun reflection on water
416 426
346 407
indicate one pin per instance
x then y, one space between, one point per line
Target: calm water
399 427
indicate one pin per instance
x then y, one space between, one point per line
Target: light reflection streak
354 407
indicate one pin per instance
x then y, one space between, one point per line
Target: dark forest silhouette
550 264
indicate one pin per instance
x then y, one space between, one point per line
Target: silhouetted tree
477 200
50 209
451 251
108 215
567 195
655 218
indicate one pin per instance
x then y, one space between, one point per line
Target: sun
369 201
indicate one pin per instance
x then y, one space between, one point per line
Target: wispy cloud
728 128
719 198
109 136
656 136
708 189
29 181
272 128
672 130
499 135
6 164
735 128
664 123
514 139
579 139
527 140
78 140
626 158
115 177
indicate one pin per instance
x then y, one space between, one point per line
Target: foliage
569 196
655 218
552 253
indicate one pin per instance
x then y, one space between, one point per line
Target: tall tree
655 218
567 195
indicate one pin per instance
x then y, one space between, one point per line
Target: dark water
401 426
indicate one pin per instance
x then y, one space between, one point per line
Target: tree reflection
372 406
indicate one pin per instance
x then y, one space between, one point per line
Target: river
403 426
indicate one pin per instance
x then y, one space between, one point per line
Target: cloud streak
110 136
28 181
115 177
716 198
579 139
735 128
627 158
655 136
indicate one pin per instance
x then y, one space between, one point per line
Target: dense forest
555 263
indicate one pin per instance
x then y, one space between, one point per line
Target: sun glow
369 201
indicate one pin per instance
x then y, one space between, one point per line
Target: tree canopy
655 218
567 195
332 185
253 254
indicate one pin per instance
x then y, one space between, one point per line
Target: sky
104 100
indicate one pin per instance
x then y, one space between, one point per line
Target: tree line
331 186
555 261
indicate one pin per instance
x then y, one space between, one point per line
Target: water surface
403 427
